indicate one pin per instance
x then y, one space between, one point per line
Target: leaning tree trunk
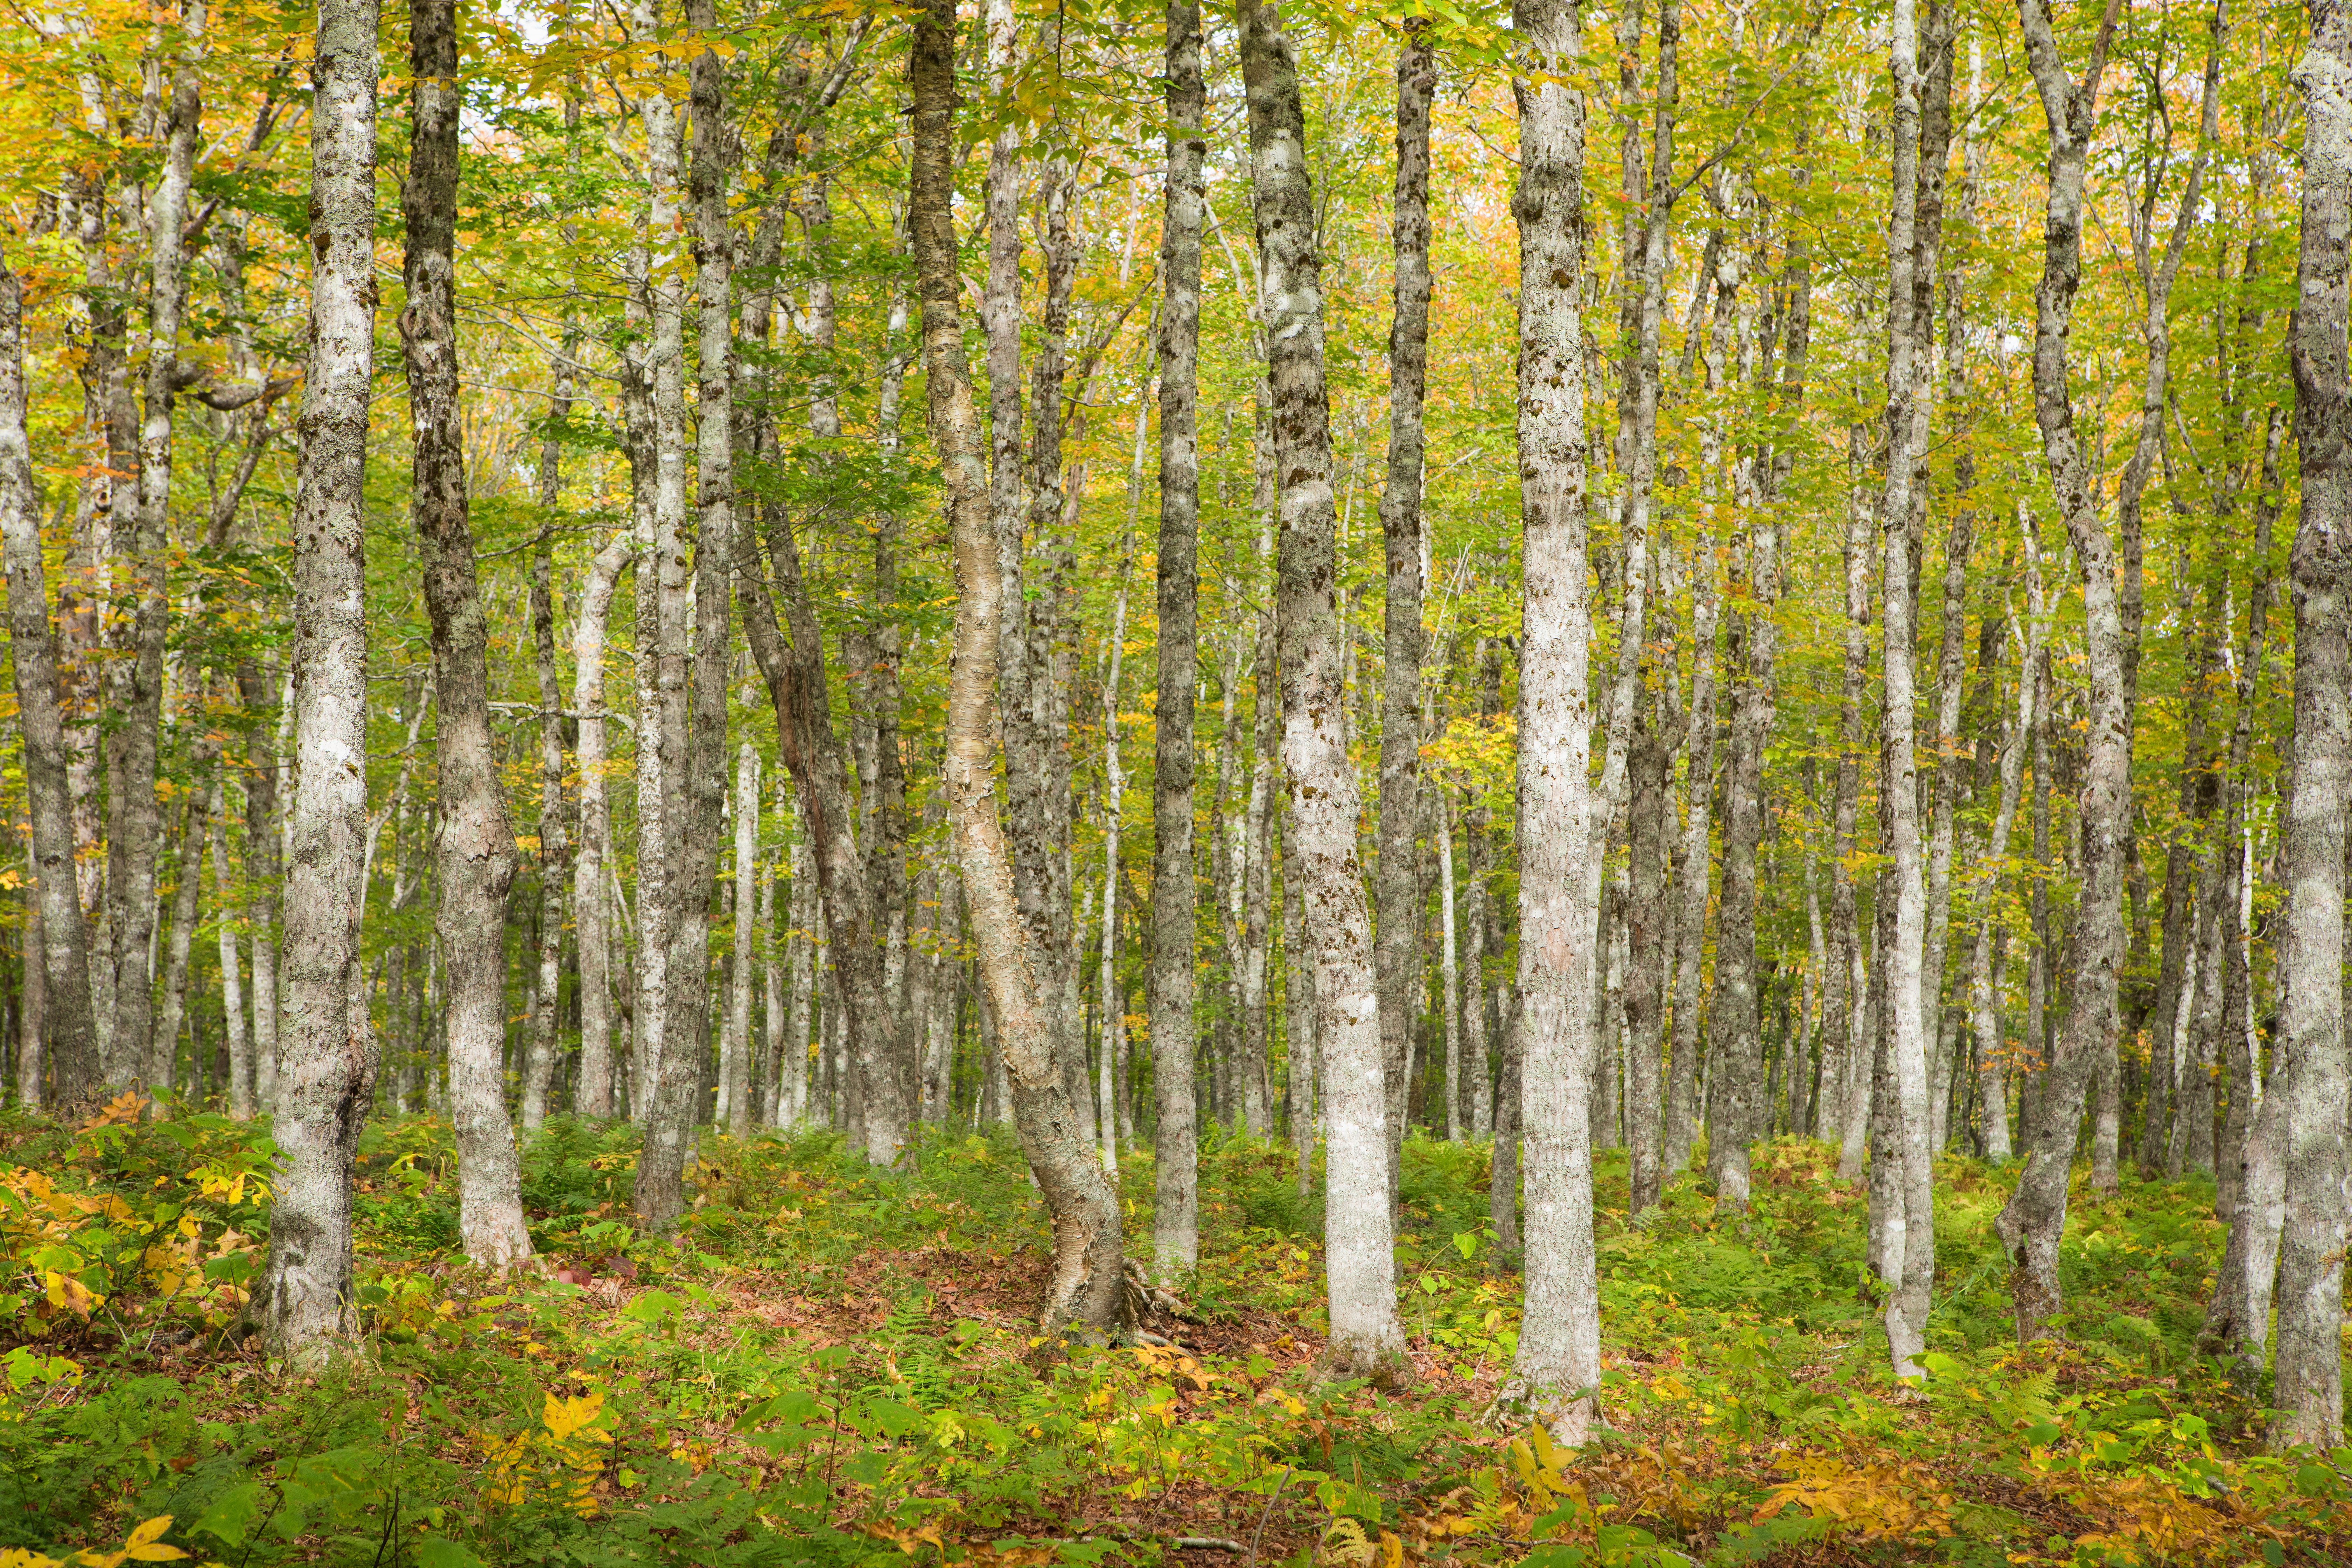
1084 1290
1325 804
2309 1376
63 955
2035 1216
306 1302
1558 1362
475 851
1397 952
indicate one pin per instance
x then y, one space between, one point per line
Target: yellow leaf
566 1417
66 1291
146 1544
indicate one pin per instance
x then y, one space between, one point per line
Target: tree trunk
1560 822
306 1302
591 1093
1367 1339
1110 997
693 707
164 1054
1084 1292
259 687
1696 878
1448 967
236 1043
1298 1002
1648 950
135 816
1984 1010
1398 917
1855 1051
63 954
554 830
734 1109
475 854
2311 1091
1176 1226
652 382
1922 114
2035 1216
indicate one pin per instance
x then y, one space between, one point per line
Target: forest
1046 785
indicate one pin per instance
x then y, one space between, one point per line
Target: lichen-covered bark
305 1302
63 953
2035 1216
1397 952
2309 1374
474 844
1559 1359
1319 781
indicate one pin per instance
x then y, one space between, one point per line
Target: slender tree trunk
135 816
258 687
236 1043
2035 1216
1399 914
1325 807
2237 1319
306 1302
774 1089
801 966
1560 822
1697 866
694 692
1083 1293
476 854
1992 1070
32 1033
1176 1226
735 1045
1448 968
2311 1090
652 375
1110 998
555 836
1855 1051
1649 949
591 1093
1922 114
187 886
63 952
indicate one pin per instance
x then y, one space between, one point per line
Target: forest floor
836 1366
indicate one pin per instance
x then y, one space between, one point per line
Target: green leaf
440 1551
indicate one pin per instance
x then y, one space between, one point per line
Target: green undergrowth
832 1365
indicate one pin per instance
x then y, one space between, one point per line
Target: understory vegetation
831 1363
